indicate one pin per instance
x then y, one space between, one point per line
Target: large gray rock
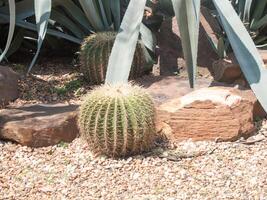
39 125
8 85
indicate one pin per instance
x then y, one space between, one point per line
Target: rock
8 85
165 88
258 111
227 70
208 114
39 125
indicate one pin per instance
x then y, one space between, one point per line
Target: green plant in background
95 52
253 14
118 120
67 19
188 16
73 85
70 20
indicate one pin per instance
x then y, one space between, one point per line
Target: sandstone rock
227 70
8 85
39 125
165 88
208 114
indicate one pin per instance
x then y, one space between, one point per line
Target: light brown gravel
56 81
69 171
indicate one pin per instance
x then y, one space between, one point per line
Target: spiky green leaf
12 24
123 50
245 51
42 15
188 16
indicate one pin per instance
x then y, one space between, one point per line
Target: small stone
254 139
54 98
227 70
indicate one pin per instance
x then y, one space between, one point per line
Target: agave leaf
59 34
5 58
16 43
12 24
91 11
103 13
31 26
107 7
221 48
64 21
263 46
247 10
188 17
148 38
262 22
121 57
240 7
258 13
24 9
260 39
245 51
115 10
75 12
42 15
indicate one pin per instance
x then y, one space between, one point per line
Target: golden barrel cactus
94 56
118 120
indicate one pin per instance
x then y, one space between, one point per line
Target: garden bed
184 170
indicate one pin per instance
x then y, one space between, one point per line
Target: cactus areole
118 120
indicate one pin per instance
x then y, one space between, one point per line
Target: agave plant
71 20
68 19
188 16
253 14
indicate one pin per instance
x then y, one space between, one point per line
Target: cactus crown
118 120
94 56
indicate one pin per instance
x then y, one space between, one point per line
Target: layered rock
215 113
39 125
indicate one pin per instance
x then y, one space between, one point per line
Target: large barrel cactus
94 56
118 120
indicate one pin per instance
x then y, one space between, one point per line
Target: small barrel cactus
94 56
118 120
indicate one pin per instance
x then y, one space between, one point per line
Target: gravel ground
189 170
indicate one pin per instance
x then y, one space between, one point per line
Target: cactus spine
118 120
94 56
